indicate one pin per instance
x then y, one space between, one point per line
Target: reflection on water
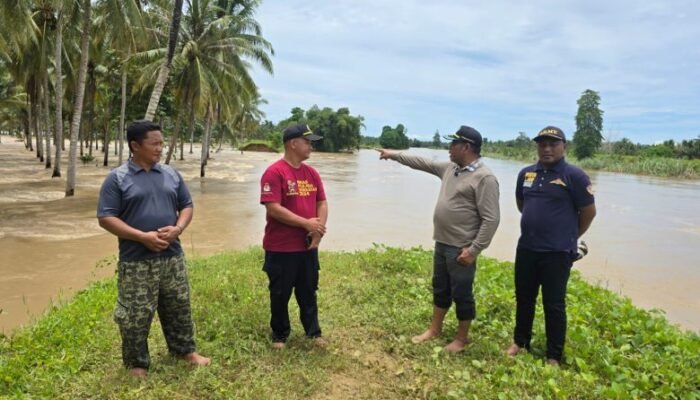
640 243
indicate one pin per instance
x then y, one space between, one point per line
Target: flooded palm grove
642 243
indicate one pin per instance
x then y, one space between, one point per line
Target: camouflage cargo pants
144 287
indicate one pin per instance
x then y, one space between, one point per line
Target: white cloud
500 66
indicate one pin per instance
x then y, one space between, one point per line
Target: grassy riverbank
638 165
655 166
371 302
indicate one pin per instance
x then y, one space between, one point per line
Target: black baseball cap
550 132
300 130
466 134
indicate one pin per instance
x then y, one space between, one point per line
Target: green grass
655 166
371 303
528 155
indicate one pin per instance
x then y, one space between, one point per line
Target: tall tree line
340 129
82 68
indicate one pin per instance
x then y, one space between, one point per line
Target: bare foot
138 372
513 350
456 345
425 336
320 342
196 359
552 362
278 345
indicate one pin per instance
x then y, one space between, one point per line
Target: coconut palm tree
213 63
78 105
123 22
43 56
27 57
246 116
45 17
18 32
12 103
46 110
167 63
205 141
58 89
67 15
29 46
103 72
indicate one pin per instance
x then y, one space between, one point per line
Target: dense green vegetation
371 303
589 125
371 142
587 149
260 145
669 159
394 138
340 129
186 64
654 166
521 148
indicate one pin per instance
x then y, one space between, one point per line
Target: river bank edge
657 167
382 297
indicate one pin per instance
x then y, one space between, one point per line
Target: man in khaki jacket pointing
465 220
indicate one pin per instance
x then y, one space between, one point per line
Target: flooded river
641 244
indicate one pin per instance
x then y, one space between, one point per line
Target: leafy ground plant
371 302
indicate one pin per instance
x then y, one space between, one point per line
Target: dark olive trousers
453 282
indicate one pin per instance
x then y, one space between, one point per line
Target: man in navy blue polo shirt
147 206
557 206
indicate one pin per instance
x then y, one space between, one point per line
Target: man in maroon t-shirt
293 195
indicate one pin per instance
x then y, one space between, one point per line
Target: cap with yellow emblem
550 132
466 134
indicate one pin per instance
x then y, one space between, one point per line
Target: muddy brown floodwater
642 243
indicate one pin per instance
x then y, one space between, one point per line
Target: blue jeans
452 282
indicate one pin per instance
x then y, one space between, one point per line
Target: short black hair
137 130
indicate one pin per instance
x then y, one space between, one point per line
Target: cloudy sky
499 66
